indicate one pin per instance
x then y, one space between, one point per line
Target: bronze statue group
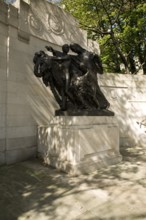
72 78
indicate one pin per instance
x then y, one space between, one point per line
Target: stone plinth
79 144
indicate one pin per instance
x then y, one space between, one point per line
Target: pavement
32 191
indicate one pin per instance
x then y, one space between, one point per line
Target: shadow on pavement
29 190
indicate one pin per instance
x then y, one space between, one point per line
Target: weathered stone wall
3 77
126 93
26 103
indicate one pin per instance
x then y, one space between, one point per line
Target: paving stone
30 190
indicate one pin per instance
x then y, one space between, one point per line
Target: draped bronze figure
73 80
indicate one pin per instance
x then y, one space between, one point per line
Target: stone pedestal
79 144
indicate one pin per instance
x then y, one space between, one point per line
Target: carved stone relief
51 23
54 25
35 23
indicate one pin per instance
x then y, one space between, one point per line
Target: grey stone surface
22 142
18 132
2 158
33 191
25 96
54 25
3 83
2 145
79 144
17 155
21 95
127 97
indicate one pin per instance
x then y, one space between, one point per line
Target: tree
120 28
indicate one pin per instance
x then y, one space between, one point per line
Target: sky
9 1
12 1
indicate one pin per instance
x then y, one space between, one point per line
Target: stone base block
79 144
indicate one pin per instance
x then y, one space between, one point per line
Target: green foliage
120 28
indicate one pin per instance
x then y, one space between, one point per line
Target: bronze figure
73 79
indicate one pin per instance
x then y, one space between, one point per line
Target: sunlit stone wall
3 82
126 93
26 103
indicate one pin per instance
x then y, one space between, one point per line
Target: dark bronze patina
73 80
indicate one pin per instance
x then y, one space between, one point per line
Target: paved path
31 191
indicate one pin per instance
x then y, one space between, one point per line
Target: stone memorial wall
126 93
25 103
